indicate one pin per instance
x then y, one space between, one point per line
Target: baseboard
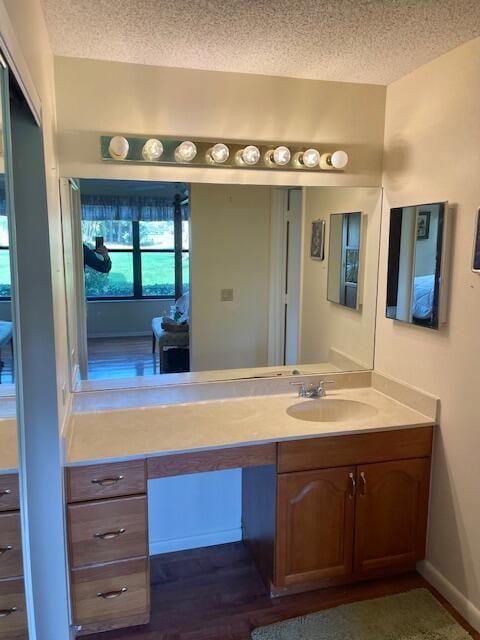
460 602
195 542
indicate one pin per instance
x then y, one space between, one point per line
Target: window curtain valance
134 208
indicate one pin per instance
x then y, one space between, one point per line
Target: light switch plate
226 295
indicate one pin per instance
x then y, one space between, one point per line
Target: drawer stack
13 619
108 546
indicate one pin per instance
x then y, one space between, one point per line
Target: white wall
230 240
124 317
326 324
198 510
432 153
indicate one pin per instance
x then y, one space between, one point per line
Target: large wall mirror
193 282
7 356
416 287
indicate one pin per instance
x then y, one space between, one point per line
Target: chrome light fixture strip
132 149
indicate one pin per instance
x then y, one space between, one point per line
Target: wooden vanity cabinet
13 619
315 525
108 546
348 508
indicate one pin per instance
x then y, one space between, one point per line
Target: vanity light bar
204 153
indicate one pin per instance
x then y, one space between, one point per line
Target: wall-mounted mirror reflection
7 367
344 259
13 619
209 281
415 263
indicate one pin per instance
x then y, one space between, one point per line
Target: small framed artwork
317 242
423 225
476 245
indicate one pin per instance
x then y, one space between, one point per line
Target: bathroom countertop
8 446
122 434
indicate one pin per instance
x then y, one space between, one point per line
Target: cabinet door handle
353 485
364 483
110 595
4 613
107 482
5 549
109 535
5 492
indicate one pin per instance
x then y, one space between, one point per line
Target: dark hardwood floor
121 358
216 594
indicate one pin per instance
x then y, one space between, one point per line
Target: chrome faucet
315 390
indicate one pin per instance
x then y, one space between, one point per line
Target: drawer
10 545
107 530
358 448
9 492
98 481
13 617
111 592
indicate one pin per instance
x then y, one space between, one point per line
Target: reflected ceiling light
336 160
186 151
152 150
118 148
279 156
219 153
310 158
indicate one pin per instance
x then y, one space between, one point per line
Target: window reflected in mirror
194 282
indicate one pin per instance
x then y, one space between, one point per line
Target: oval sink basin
331 410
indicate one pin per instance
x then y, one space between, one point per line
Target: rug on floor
414 615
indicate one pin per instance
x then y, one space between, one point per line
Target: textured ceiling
372 41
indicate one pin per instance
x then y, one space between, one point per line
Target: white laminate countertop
122 434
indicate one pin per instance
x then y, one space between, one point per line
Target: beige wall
432 154
28 23
95 98
230 236
325 324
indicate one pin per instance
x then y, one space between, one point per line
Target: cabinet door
315 525
391 514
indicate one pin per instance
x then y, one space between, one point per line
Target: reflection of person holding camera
99 260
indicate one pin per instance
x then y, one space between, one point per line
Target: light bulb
186 151
251 154
281 156
219 153
310 158
339 159
118 148
152 149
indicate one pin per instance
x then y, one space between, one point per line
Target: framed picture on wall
317 242
476 245
423 225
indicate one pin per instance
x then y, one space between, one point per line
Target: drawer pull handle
109 535
353 485
5 549
4 613
5 492
109 595
107 482
364 483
